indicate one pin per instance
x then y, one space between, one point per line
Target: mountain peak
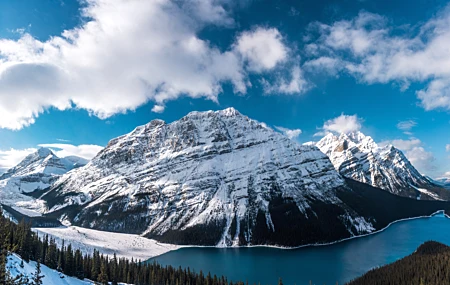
356 136
229 112
332 142
44 152
358 157
205 168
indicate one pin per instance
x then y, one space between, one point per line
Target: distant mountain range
221 178
35 172
358 157
444 182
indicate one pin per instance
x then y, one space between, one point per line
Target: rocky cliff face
358 157
216 178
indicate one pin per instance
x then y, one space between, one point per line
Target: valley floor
108 243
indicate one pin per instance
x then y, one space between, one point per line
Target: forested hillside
429 265
19 238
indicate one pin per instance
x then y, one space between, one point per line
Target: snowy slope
208 178
123 245
358 157
51 277
35 172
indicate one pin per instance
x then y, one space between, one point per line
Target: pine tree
103 277
60 264
3 271
51 256
114 270
69 263
24 240
37 277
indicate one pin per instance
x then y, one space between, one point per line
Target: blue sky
74 74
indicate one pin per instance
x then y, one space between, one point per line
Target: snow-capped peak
44 152
357 156
207 168
36 171
229 112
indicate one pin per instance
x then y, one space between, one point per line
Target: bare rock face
215 178
358 157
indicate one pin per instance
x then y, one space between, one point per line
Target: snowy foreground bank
51 276
108 243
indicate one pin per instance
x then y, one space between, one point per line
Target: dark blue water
329 264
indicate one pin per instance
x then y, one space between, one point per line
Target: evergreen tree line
428 265
20 239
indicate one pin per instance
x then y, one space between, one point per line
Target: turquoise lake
340 262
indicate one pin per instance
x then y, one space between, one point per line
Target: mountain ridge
37 171
220 178
358 157
209 170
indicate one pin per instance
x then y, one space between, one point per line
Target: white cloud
10 158
86 151
341 124
296 85
415 152
126 53
330 65
372 51
423 160
208 11
406 125
158 109
292 134
447 147
436 94
261 48
403 145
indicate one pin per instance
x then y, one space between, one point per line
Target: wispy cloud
371 50
406 125
296 85
414 150
10 158
86 151
292 134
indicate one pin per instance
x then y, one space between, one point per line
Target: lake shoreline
306 245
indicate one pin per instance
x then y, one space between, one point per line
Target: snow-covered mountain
35 172
442 181
209 178
358 157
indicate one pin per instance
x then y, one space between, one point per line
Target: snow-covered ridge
358 157
35 172
442 181
215 169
